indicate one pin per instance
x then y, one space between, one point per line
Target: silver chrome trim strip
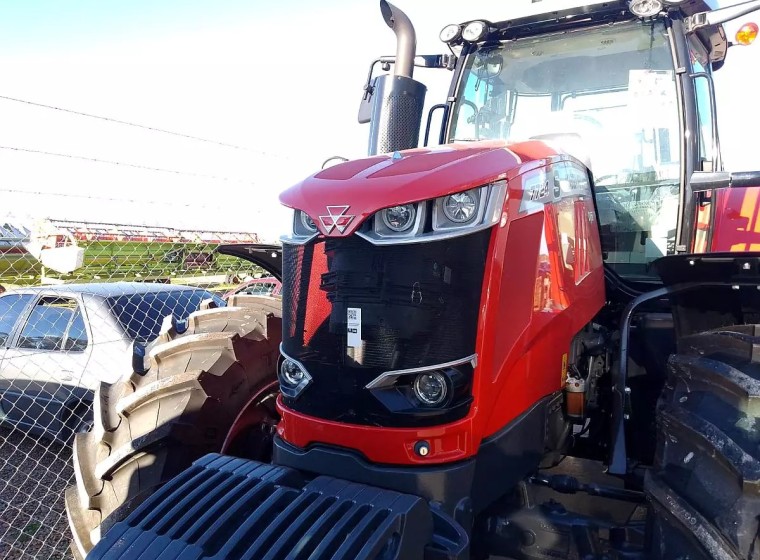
387 378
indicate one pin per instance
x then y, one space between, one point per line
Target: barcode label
354 327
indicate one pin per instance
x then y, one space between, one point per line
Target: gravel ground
34 473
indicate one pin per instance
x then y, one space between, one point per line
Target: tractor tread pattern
707 463
151 425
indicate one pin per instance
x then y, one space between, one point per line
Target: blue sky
282 78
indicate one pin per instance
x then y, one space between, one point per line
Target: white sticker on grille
354 328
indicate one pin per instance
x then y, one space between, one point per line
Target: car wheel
707 462
151 425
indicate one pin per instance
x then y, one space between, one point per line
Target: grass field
127 260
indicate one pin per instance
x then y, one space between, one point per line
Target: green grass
120 260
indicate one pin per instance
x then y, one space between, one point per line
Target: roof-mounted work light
475 31
645 8
450 33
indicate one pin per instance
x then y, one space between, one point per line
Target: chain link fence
74 298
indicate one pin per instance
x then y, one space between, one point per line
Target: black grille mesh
419 306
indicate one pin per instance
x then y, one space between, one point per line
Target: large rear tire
153 424
705 484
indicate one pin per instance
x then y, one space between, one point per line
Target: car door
13 309
43 366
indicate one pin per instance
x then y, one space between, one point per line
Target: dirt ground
34 473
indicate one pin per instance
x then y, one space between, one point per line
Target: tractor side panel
546 284
735 221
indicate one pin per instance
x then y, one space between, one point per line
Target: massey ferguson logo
336 218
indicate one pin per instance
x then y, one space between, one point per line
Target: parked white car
57 344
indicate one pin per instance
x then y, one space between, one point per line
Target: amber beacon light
746 34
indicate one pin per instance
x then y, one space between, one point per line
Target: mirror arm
716 17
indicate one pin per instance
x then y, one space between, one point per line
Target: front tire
152 424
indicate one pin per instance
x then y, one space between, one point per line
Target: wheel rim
252 434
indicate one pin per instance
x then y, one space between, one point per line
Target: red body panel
367 185
736 218
543 282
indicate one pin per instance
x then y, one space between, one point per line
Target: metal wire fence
74 298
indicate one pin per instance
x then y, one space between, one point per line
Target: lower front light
430 388
291 373
293 378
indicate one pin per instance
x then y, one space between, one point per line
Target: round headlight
645 8
450 33
307 222
430 388
460 207
474 31
291 373
399 218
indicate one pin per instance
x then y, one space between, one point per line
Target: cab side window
11 308
700 64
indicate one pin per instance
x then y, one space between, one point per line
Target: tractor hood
357 189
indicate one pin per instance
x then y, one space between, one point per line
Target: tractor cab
624 87
606 95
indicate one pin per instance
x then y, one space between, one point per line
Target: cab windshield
605 95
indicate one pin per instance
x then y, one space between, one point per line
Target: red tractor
536 340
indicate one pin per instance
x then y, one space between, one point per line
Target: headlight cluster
293 377
304 227
452 215
447 216
438 387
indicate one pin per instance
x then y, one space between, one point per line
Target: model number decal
354 327
551 184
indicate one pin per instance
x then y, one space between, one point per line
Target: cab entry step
228 508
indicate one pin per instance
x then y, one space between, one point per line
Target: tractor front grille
419 307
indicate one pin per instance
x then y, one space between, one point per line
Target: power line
145 127
173 204
124 164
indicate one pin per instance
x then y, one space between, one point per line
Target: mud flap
228 508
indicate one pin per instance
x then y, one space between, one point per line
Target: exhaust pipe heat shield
396 114
397 100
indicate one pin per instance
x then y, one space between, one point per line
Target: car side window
261 288
47 324
11 307
76 338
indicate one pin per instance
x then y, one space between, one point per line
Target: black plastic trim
258 254
459 489
447 484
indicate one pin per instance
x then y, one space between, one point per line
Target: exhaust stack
398 99
406 38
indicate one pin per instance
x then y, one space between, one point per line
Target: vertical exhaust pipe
406 38
398 99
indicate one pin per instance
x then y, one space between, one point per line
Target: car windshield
141 314
605 95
